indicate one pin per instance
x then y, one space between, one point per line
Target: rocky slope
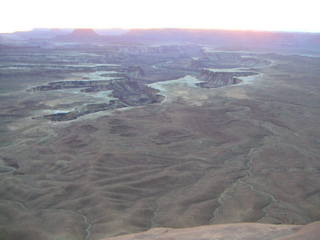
240 231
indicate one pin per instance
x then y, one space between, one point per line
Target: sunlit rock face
242 231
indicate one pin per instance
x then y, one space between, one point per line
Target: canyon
138 134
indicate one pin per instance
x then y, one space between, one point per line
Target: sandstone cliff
239 231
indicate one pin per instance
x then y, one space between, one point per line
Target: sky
270 15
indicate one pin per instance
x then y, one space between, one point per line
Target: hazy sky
287 15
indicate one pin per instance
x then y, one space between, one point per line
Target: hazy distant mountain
225 39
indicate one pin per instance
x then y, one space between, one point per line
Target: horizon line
166 28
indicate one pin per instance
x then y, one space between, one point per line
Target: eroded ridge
215 79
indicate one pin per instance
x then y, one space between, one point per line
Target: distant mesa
37 34
84 32
81 34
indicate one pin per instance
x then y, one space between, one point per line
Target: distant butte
81 34
84 32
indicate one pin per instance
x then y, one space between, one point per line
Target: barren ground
246 152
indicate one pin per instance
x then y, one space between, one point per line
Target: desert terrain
100 139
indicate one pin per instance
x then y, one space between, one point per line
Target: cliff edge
238 231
